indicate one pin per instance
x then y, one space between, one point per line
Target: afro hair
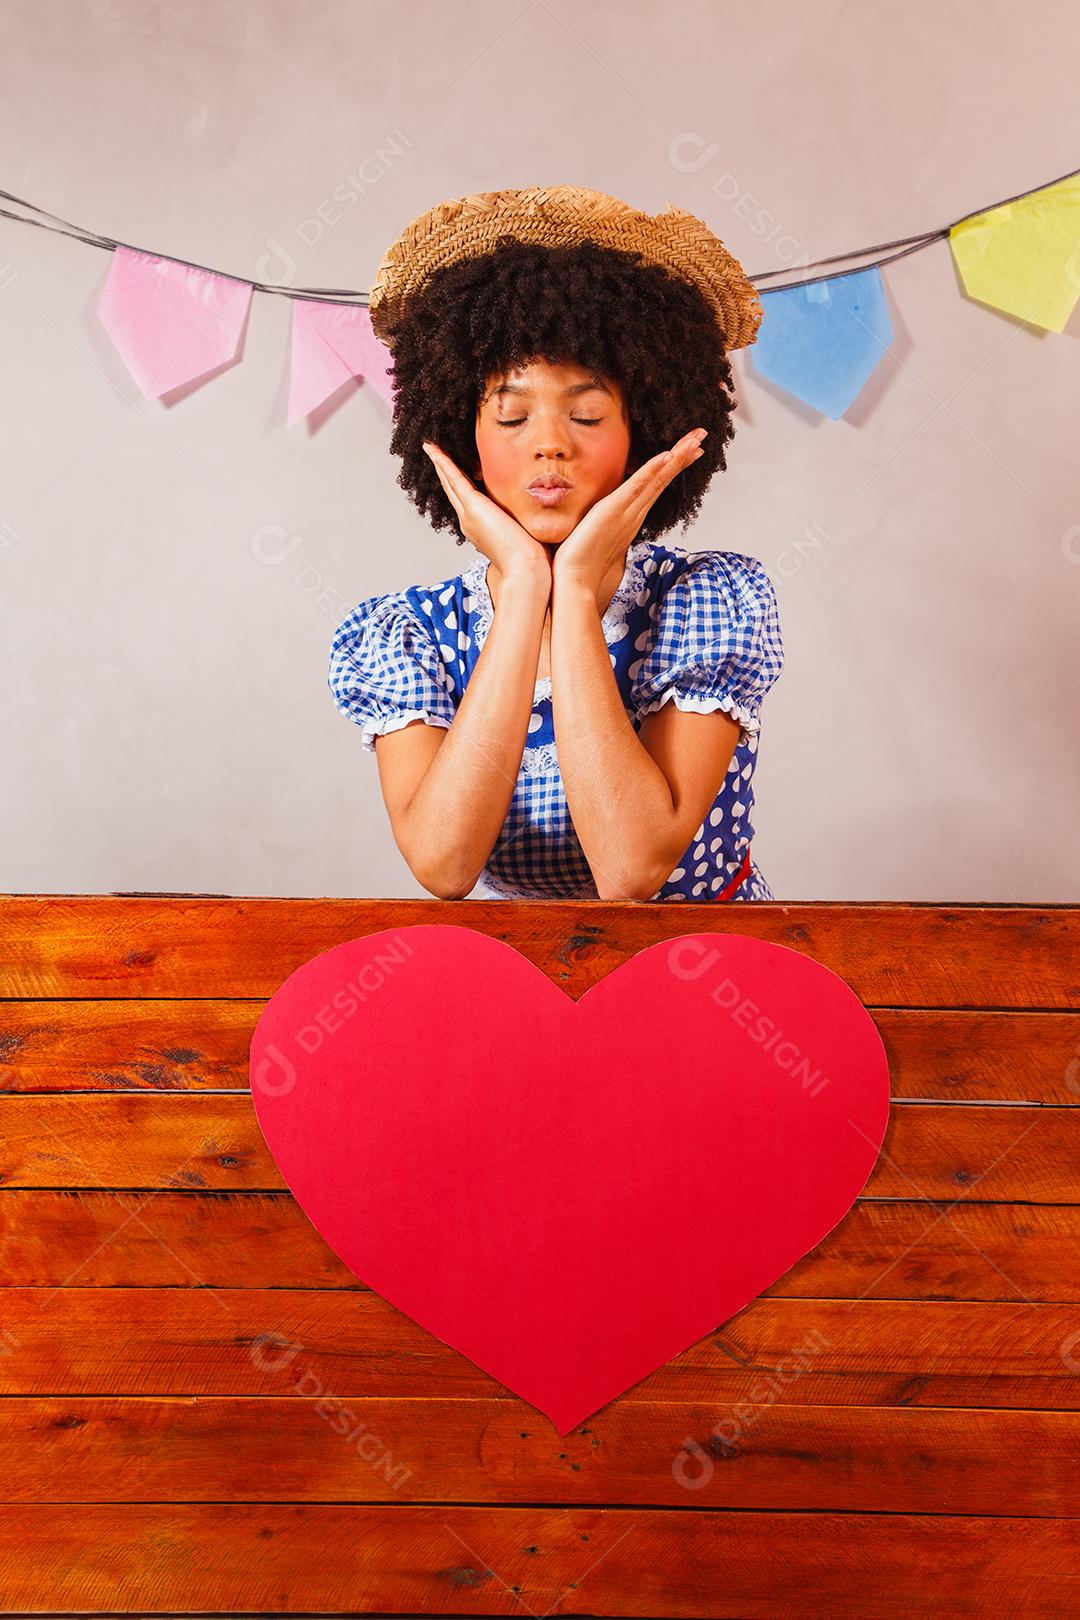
652 332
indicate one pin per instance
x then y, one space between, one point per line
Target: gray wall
172 574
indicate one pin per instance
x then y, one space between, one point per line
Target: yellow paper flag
1024 257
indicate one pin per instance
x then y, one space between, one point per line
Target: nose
550 443
551 436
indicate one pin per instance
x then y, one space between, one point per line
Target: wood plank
674 1453
342 1559
200 1341
204 1410
952 1250
935 1054
901 955
204 1141
151 1046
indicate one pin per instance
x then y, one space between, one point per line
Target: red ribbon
744 871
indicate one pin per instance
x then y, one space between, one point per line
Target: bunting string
174 320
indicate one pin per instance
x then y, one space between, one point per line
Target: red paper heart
569 1193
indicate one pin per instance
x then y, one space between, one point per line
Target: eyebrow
574 388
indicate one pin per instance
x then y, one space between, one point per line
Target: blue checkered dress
698 628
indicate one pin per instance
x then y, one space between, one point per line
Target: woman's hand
485 524
607 529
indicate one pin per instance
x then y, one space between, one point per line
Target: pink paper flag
332 343
170 322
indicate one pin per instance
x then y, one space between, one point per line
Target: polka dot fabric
698 629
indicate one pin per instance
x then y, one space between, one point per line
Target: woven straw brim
561 216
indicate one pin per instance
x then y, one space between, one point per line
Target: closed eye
583 421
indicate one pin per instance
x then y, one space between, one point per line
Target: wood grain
935 1054
957 1249
322 1448
207 1141
102 947
204 1411
333 1558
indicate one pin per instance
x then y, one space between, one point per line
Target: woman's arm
635 798
448 790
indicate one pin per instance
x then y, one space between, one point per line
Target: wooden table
205 1412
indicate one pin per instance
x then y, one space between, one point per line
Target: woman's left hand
607 529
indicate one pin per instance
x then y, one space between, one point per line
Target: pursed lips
548 493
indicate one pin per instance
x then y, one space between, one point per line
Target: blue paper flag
822 341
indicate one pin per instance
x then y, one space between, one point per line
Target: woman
526 737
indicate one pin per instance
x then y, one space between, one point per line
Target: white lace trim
393 722
494 888
703 703
539 758
626 594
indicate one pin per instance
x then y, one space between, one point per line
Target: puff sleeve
717 641
386 669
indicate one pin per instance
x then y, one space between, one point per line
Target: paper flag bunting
1024 257
822 341
330 344
569 1193
170 322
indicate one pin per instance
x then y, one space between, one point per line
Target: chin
551 528
552 541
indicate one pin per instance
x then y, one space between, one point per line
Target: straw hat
563 216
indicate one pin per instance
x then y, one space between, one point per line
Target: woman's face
545 424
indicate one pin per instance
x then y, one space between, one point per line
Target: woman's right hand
485 524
